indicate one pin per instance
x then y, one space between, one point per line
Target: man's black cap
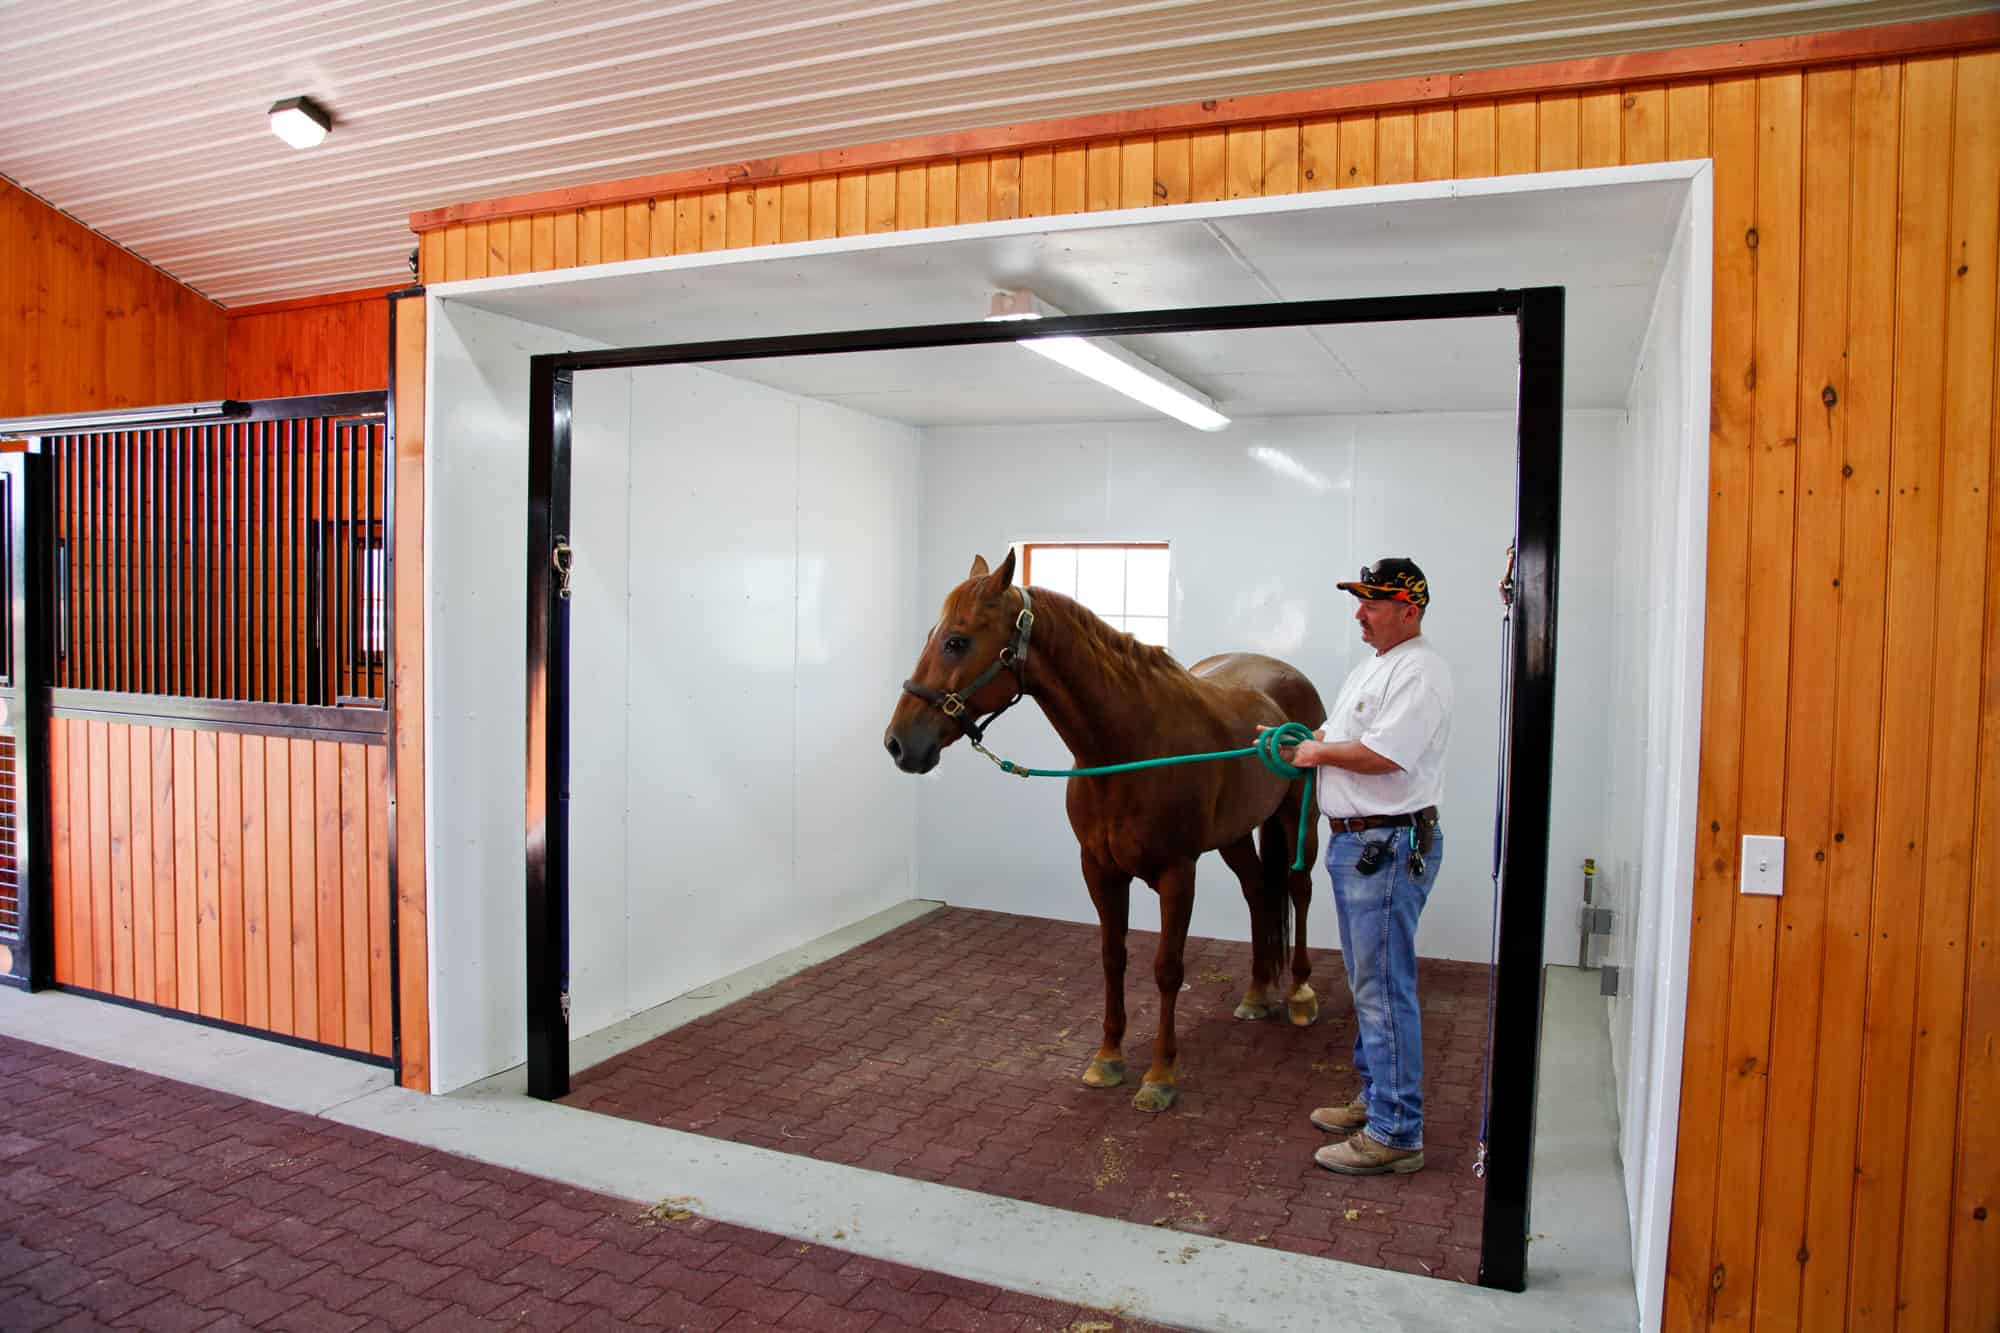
1395 579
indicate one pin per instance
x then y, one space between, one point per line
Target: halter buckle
1025 621
952 705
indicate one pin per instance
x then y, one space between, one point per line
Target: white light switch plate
1763 864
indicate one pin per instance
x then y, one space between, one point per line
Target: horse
1112 700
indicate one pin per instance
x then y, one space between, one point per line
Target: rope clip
564 559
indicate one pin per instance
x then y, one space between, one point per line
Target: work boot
1363 1156
1343 1120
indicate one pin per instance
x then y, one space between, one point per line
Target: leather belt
1360 823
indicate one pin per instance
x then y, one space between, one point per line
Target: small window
371 597
1124 582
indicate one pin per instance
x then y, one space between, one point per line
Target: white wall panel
600 643
1660 596
1263 520
857 543
772 550
475 547
712 613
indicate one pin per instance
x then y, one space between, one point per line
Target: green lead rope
1267 747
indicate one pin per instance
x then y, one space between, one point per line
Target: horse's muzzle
913 754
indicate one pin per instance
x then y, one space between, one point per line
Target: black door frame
24 678
1517 1009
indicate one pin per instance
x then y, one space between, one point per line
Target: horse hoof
1154 1098
1303 1007
1104 1074
1250 1011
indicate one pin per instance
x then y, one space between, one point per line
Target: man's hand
1321 753
1302 755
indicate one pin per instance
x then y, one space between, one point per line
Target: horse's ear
1002 578
978 567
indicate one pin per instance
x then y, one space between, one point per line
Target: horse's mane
1113 653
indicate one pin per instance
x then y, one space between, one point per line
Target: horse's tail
1274 851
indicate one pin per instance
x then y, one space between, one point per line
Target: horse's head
963 672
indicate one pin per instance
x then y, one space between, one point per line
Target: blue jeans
1378 943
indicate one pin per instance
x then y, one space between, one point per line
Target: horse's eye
956 645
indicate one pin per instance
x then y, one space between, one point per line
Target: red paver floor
950 1050
128 1201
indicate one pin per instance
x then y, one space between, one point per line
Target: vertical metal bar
294 692
261 565
66 483
212 567
211 620
142 620
1517 984
179 559
90 492
547 718
232 572
343 531
316 560
372 595
127 493
288 614
201 641
114 515
100 523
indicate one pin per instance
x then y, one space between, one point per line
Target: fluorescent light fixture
300 121
1109 364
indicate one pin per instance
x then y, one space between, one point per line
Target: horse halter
954 704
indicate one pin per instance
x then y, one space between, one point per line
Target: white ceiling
1605 238
145 119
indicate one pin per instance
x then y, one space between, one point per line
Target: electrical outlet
1763 864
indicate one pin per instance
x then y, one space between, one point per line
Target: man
1381 769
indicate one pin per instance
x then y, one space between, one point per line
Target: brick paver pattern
950 1050
128 1201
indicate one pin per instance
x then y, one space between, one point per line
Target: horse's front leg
1176 889
1111 893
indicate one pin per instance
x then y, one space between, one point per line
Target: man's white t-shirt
1398 704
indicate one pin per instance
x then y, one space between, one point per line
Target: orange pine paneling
83 324
1827 119
1903 795
1396 147
1690 1273
1357 151
190 841
1923 1272
410 886
1171 168
336 345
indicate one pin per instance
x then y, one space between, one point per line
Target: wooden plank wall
407 713
325 344
83 324
238 877
1839 1155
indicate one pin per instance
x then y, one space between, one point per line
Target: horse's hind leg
1260 997
1176 889
1302 1006
1111 893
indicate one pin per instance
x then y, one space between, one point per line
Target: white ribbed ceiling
146 121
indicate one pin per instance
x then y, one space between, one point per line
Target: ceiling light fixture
300 121
1109 364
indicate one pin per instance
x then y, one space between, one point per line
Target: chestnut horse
1112 700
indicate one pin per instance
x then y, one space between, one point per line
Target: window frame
1028 548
